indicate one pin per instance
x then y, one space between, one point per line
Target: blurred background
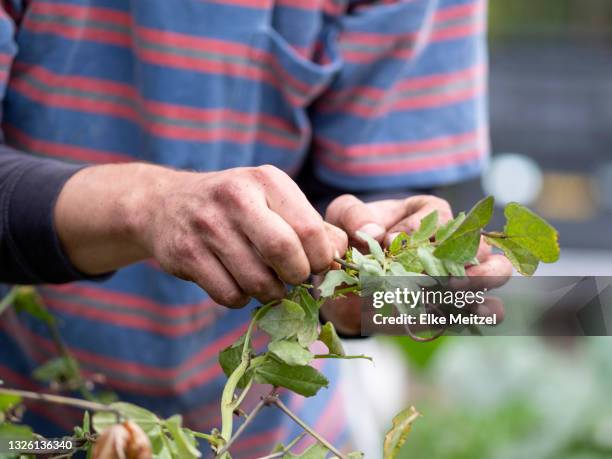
551 128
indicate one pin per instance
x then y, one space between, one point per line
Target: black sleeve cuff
32 237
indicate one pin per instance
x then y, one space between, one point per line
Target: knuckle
310 230
267 172
258 285
278 247
232 298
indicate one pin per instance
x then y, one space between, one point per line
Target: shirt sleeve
407 107
30 251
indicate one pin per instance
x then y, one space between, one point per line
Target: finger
286 199
249 271
338 240
277 244
209 273
484 250
416 208
492 305
493 272
353 215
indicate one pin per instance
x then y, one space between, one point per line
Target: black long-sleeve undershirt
30 251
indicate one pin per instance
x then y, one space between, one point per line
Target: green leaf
397 435
308 332
230 358
462 244
449 227
8 401
409 259
61 369
334 279
315 451
427 228
330 338
431 265
14 432
291 352
397 269
522 259
531 232
399 243
185 444
355 455
454 268
147 420
374 246
282 321
303 380
27 300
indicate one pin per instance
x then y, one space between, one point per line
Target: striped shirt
381 94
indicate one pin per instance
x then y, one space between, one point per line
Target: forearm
102 214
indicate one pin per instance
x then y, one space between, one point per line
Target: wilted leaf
185 444
330 338
427 228
334 279
522 259
290 352
374 246
431 265
397 435
282 321
531 232
303 380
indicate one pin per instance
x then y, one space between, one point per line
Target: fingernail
373 230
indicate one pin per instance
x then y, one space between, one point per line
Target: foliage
292 325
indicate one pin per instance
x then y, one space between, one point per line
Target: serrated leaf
399 243
147 420
303 380
409 259
532 232
454 268
522 259
334 279
185 446
449 227
330 338
427 228
315 451
374 246
291 352
397 435
431 265
462 244
282 321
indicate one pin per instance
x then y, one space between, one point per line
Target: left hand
383 220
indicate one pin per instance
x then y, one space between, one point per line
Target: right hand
238 233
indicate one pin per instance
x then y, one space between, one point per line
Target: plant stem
8 299
494 234
227 397
346 264
60 400
276 401
345 357
249 419
286 449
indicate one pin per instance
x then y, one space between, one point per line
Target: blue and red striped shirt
382 94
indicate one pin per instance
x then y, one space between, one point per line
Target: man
379 96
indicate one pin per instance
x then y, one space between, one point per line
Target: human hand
237 233
384 220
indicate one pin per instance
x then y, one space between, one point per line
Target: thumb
353 215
